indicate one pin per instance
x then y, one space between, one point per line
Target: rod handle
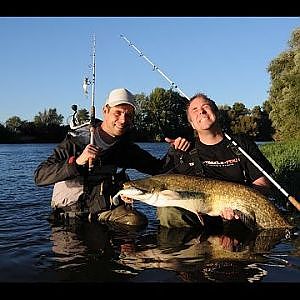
91 161
91 164
294 202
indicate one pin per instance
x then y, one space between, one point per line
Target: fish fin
170 195
200 219
248 220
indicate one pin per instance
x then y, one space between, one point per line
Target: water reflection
84 251
199 256
72 242
88 252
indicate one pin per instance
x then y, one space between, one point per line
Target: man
79 192
211 155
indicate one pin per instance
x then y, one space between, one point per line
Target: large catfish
206 196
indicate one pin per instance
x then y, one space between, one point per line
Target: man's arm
263 185
134 157
58 166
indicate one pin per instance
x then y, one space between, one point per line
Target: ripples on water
32 250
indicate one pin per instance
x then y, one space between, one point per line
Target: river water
33 250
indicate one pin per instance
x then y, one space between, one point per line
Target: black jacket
123 154
221 161
103 181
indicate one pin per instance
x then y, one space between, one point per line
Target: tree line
162 113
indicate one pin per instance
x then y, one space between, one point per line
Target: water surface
33 250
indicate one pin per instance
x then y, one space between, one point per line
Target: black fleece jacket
123 154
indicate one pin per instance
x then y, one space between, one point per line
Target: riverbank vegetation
160 114
285 158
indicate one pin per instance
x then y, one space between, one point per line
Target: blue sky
43 61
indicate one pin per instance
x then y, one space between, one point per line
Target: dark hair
211 102
203 96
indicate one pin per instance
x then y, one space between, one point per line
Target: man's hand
127 248
228 243
126 199
228 214
179 143
90 151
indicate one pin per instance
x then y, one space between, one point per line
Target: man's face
201 114
118 119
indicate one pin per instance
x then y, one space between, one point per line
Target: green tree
224 117
245 124
143 119
5 135
264 129
82 116
168 108
238 109
13 123
284 93
238 122
48 118
161 114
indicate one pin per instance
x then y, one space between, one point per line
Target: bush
285 158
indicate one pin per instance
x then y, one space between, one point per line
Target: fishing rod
92 122
92 109
173 85
285 193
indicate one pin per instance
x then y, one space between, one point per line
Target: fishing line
173 85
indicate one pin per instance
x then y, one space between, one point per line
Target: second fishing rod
234 143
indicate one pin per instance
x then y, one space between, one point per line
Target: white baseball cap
120 96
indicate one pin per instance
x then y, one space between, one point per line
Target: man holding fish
80 193
212 156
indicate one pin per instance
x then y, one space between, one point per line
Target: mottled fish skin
210 196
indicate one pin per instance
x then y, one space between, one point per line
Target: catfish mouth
132 185
147 187
127 185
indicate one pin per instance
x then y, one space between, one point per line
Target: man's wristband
71 160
